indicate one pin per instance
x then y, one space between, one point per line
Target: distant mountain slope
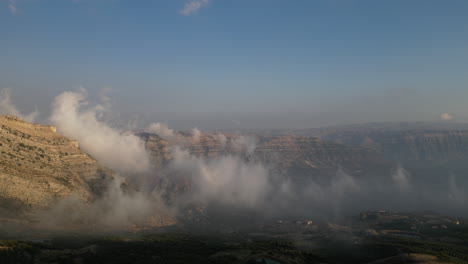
410 145
293 155
396 141
362 128
396 126
434 153
375 151
39 167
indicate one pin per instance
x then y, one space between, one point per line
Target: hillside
39 167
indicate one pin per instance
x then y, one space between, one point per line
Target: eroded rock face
295 155
312 153
157 147
38 167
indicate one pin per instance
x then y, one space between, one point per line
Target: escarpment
39 167
293 155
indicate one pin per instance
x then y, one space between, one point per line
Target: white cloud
116 149
161 130
225 179
196 135
12 7
401 178
7 107
446 116
193 6
221 139
244 144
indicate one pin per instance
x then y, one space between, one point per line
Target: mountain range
40 167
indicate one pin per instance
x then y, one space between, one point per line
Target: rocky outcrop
157 147
39 167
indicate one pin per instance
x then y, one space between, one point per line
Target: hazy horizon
216 64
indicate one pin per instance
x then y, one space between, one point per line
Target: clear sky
242 63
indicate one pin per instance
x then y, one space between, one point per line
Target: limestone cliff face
38 167
293 154
157 147
290 151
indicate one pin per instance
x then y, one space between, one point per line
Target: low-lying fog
227 182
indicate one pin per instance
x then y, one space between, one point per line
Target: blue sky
243 63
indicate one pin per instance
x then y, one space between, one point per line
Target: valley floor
373 237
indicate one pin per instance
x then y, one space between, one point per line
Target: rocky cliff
294 155
39 167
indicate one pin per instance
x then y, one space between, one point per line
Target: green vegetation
187 248
28 147
29 247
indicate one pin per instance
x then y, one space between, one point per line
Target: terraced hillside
39 167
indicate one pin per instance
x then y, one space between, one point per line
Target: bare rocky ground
39 167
